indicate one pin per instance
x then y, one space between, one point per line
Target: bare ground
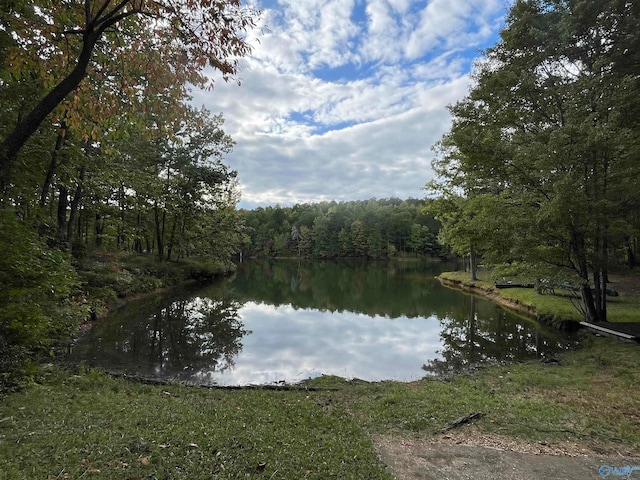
471 454
628 285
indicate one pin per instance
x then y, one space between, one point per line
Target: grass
89 425
72 426
558 307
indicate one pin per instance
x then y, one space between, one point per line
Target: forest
371 228
102 151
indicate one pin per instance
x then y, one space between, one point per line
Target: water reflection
473 334
168 337
289 320
391 289
293 344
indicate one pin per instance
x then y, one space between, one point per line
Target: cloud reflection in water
289 344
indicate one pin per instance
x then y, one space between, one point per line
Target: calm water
292 320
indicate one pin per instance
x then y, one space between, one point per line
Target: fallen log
461 421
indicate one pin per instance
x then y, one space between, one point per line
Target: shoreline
527 310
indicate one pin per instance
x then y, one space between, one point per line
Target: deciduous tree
548 130
59 42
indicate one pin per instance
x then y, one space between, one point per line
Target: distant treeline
366 229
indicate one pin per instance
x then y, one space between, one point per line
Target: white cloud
342 99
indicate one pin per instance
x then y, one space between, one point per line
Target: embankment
491 293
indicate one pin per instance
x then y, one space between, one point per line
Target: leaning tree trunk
26 127
93 29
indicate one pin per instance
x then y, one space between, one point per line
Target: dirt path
466 457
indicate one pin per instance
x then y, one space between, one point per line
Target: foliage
38 283
363 229
538 169
126 48
107 278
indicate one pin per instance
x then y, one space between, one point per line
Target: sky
343 99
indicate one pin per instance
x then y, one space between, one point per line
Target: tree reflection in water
185 339
373 320
472 336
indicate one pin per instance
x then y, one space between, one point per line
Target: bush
37 282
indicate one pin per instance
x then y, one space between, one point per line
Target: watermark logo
626 471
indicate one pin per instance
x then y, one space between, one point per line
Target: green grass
483 282
558 307
89 425
624 309
71 426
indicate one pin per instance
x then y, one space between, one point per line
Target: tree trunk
159 229
99 230
26 127
590 313
631 256
75 203
53 164
137 244
63 203
172 237
473 260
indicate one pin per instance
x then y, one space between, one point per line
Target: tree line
365 229
538 173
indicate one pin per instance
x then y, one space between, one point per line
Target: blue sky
343 99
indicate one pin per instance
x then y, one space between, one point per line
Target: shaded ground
627 285
473 455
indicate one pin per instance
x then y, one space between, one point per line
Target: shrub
37 284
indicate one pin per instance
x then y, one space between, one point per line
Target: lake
289 320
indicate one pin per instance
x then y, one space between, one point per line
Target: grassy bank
555 308
80 424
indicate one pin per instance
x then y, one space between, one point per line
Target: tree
61 39
551 130
358 235
296 237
